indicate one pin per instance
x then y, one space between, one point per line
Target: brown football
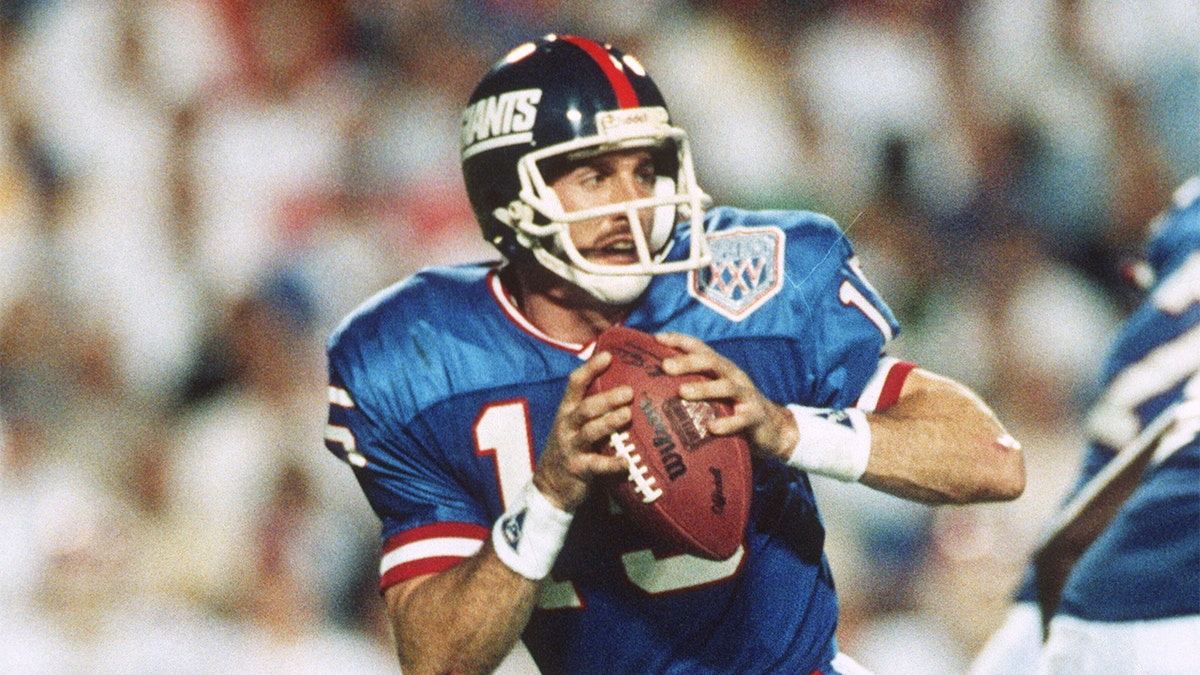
685 485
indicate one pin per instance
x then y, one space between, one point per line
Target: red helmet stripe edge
626 96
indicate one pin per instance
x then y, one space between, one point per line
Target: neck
559 309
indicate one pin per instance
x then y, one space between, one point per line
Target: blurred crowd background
193 192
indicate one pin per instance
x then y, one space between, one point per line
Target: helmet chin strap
613 290
607 288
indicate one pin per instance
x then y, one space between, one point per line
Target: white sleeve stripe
457 547
340 397
874 389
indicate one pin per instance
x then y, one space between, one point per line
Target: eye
646 174
589 178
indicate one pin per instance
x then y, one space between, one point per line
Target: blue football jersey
442 396
1146 564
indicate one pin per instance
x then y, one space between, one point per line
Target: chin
614 291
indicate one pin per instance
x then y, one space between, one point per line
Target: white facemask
551 243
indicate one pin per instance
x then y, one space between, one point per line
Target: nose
629 186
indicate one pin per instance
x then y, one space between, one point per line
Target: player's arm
462 620
467 618
940 443
937 443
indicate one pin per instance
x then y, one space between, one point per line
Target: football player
1118 577
458 397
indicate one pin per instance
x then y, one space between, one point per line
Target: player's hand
569 462
769 427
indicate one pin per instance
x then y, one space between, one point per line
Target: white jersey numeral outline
1113 420
342 436
849 294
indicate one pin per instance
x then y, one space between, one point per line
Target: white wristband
530 534
834 443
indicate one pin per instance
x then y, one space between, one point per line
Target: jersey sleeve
429 521
844 324
883 389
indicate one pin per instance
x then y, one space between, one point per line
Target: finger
691 347
601 428
731 424
591 465
680 341
581 377
701 362
720 388
697 358
598 404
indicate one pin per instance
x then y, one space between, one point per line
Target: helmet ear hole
553 168
666 158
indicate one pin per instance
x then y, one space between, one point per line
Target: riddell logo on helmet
497 121
631 122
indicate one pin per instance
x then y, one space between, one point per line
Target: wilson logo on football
499 121
672 461
718 492
643 483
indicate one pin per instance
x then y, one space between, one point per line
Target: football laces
643 483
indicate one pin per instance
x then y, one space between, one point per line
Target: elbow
1008 486
1010 477
1017 484
995 481
994 489
1004 475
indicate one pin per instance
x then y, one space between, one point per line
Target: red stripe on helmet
622 87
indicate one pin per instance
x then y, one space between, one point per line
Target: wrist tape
530 534
834 443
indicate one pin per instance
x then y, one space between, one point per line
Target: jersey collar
510 309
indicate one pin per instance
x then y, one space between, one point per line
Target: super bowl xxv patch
746 270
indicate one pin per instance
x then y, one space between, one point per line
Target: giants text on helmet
495 121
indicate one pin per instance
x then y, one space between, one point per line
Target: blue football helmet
566 97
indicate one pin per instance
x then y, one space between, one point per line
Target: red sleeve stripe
415 569
885 385
430 548
622 87
434 531
896 376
